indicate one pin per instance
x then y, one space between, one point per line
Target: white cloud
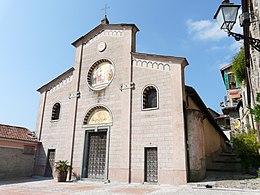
209 29
205 30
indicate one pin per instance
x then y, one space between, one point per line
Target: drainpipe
75 110
130 122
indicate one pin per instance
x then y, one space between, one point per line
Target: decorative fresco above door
98 115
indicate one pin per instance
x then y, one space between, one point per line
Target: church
122 116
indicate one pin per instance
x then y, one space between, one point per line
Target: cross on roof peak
105 9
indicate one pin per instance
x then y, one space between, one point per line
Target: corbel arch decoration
98 115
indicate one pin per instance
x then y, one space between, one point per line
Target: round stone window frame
91 69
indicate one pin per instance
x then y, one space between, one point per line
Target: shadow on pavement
23 180
220 176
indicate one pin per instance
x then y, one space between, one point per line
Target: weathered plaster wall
196 144
14 163
204 140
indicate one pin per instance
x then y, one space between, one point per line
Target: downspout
133 38
130 123
75 111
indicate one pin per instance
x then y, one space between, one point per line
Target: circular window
100 74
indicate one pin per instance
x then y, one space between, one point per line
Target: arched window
55 112
150 97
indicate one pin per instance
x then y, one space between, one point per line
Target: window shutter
237 84
226 80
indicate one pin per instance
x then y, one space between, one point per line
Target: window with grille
55 112
150 98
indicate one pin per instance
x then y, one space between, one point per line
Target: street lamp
226 16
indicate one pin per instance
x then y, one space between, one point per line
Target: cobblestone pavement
41 186
235 181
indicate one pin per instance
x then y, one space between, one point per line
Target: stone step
224 166
226 157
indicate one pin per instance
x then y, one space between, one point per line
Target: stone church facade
124 116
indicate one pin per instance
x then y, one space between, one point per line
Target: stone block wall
14 163
162 128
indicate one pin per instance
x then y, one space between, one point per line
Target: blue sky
36 39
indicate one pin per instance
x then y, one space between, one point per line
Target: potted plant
62 167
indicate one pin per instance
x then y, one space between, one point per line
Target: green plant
246 145
62 166
256 110
238 66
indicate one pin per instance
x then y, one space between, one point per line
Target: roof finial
105 20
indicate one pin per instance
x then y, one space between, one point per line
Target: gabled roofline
168 59
225 67
191 92
101 27
44 87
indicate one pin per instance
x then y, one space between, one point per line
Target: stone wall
162 128
14 163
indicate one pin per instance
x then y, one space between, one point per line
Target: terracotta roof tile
17 133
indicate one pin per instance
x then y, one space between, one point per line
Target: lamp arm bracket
255 43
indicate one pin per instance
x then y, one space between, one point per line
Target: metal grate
151 165
97 155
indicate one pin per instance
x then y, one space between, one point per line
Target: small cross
105 9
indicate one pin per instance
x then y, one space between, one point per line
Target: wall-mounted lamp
226 16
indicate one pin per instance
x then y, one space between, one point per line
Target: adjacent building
254 58
251 28
18 148
231 118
